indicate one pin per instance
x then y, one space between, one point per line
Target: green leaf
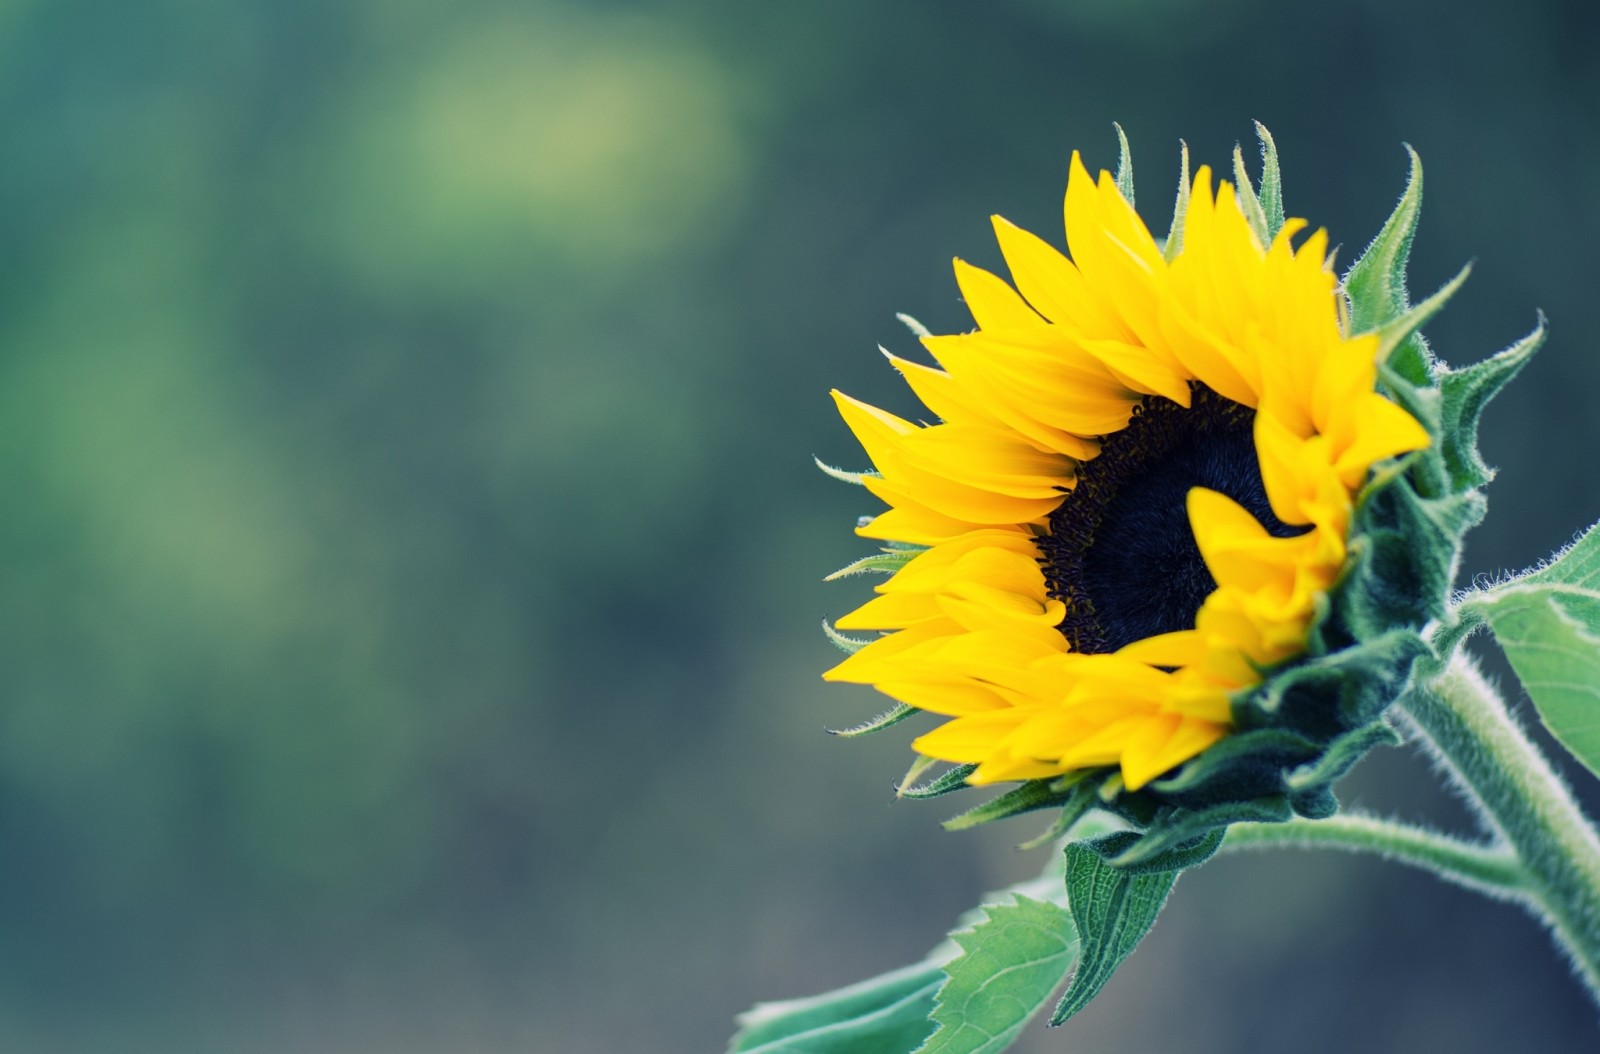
1124 164
891 1013
888 1013
1112 910
1576 565
1465 392
1010 965
1550 632
1271 182
1376 283
1180 208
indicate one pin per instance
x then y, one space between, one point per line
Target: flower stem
1490 869
1463 721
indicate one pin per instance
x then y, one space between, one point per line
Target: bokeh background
409 573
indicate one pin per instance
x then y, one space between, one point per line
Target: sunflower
1138 494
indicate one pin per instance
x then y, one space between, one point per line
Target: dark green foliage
1113 909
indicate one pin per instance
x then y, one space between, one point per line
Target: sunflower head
1182 508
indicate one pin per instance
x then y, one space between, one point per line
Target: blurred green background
411 561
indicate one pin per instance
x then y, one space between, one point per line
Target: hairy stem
1492 869
1462 720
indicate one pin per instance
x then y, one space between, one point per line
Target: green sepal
1112 910
1408 325
1331 695
1271 193
1340 756
1376 282
1180 208
1394 577
1165 850
1311 786
888 719
1247 764
848 645
1249 204
888 1013
1124 164
917 329
1315 803
947 782
1011 963
886 562
844 475
1431 530
1024 797
1085 798
1465 393
1420 401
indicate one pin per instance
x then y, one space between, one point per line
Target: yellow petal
1144 749
994 305
1180 648
1051 283
950 698
891 611
969 738
916 524
1383 430
1142 764
881 660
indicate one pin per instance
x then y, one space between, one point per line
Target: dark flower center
1120 551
